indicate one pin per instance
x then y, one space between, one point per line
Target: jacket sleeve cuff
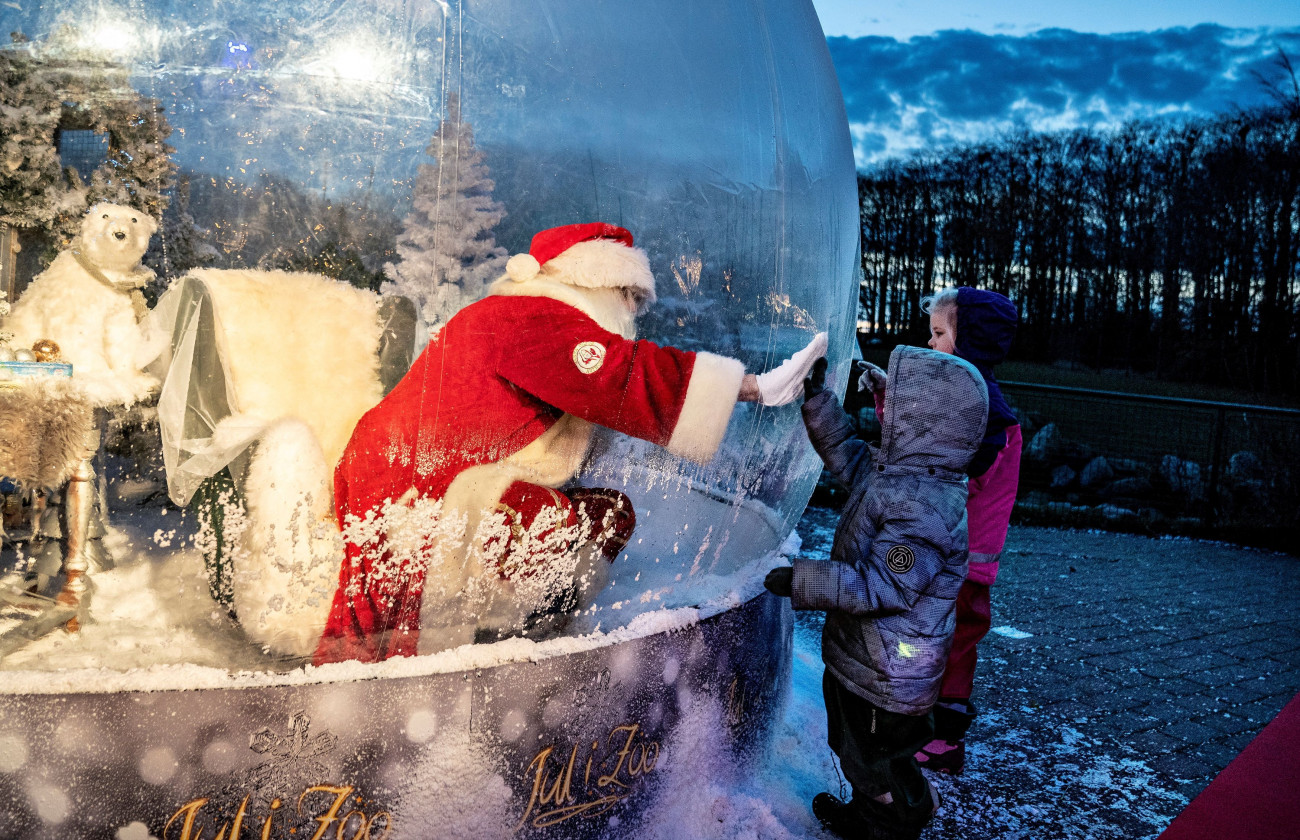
802 585
828 585
710 399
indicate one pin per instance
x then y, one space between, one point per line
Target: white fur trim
603 263
556 456
522 267
604 306
285 569
710 399
300 345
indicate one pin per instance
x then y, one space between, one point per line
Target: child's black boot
865 818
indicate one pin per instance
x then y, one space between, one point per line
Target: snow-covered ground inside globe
1033 772
151 610
153 623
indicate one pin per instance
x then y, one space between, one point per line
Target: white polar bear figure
87 304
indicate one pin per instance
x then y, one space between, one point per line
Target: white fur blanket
299 356
298 345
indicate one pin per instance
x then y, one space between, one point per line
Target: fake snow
448 762
52 804
134 831
421 726
158 765
13 753
1022 782
221 757
1029 774
155 627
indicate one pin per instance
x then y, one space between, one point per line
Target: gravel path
1122 675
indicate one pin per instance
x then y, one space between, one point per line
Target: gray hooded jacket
899 557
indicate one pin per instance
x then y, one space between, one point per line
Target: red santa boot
552 552
605 518
530 531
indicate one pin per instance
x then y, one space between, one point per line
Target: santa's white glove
783 384
873 377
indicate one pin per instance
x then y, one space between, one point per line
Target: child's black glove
816 381
780 581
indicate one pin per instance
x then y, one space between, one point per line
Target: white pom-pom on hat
522 267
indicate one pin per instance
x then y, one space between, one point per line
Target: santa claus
449 491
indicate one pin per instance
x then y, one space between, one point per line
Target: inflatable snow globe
401 407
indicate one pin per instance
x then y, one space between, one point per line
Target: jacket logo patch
900 559
589 356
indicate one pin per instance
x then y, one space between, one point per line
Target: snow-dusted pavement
1124 674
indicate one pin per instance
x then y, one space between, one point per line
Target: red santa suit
504 398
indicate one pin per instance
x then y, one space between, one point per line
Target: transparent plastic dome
383 143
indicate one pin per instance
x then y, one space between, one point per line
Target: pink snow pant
974 616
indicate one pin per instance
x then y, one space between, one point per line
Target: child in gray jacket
890 587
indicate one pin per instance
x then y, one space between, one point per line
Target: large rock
1118 515
1045 445
1128 467
1049 447
1183 477
1062 477
1096 472
1245 466
1136 487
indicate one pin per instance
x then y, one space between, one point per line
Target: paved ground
1123 674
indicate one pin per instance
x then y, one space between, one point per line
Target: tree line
1162 247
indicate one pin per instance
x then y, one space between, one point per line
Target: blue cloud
961 86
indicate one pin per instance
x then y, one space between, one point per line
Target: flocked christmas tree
61 84
447 252
33 191
4 311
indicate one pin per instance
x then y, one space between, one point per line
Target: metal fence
1146 464
1160 463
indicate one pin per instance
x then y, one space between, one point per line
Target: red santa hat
593 255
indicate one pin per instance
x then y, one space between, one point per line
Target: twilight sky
922 74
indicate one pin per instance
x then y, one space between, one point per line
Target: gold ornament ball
45 351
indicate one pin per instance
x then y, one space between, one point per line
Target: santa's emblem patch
589 356
900 559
